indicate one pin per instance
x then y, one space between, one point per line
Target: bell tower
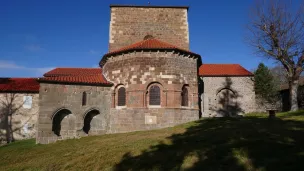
131 24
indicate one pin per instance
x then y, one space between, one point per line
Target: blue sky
36 35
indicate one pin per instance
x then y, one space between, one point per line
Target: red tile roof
75 76
149 44
19 85
73 72
96 79
223 70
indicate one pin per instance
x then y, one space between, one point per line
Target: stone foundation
127 120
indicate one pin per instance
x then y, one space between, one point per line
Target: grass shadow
249 143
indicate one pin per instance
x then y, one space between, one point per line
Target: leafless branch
277 32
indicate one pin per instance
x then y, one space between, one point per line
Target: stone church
149 79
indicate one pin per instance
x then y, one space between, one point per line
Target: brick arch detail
163 97
89 110
114 94
223 88
61 124
58 110
117 86
152 81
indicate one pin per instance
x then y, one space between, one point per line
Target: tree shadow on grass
291 114
248 143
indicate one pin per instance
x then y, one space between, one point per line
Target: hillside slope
249 143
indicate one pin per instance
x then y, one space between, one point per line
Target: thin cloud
12 65
9 65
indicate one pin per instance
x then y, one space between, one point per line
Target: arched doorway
63 122
227 105
90 121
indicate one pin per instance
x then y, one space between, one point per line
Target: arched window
148 37
154 95
121 96
184 96
84 98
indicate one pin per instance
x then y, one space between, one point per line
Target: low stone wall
263 105
128 120
24 116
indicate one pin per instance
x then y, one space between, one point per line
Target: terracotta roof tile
95 79
223 70
19 85
73 72
76 75
149 44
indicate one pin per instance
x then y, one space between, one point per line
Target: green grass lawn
249 143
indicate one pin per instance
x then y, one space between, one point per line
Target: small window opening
121 96
184 96
154 95
84 99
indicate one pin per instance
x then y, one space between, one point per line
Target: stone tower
130 24
154 74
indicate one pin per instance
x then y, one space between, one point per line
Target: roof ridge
18 77
90 75
219 64
223 70
140 45
75 68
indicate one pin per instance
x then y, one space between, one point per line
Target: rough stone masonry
130 24
148 80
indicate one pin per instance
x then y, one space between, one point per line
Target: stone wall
227 96
62 114
131 24
127 120
262 105
24 118
138 70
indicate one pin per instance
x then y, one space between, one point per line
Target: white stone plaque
150 120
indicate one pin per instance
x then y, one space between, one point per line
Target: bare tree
277 32
8 109
279 74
